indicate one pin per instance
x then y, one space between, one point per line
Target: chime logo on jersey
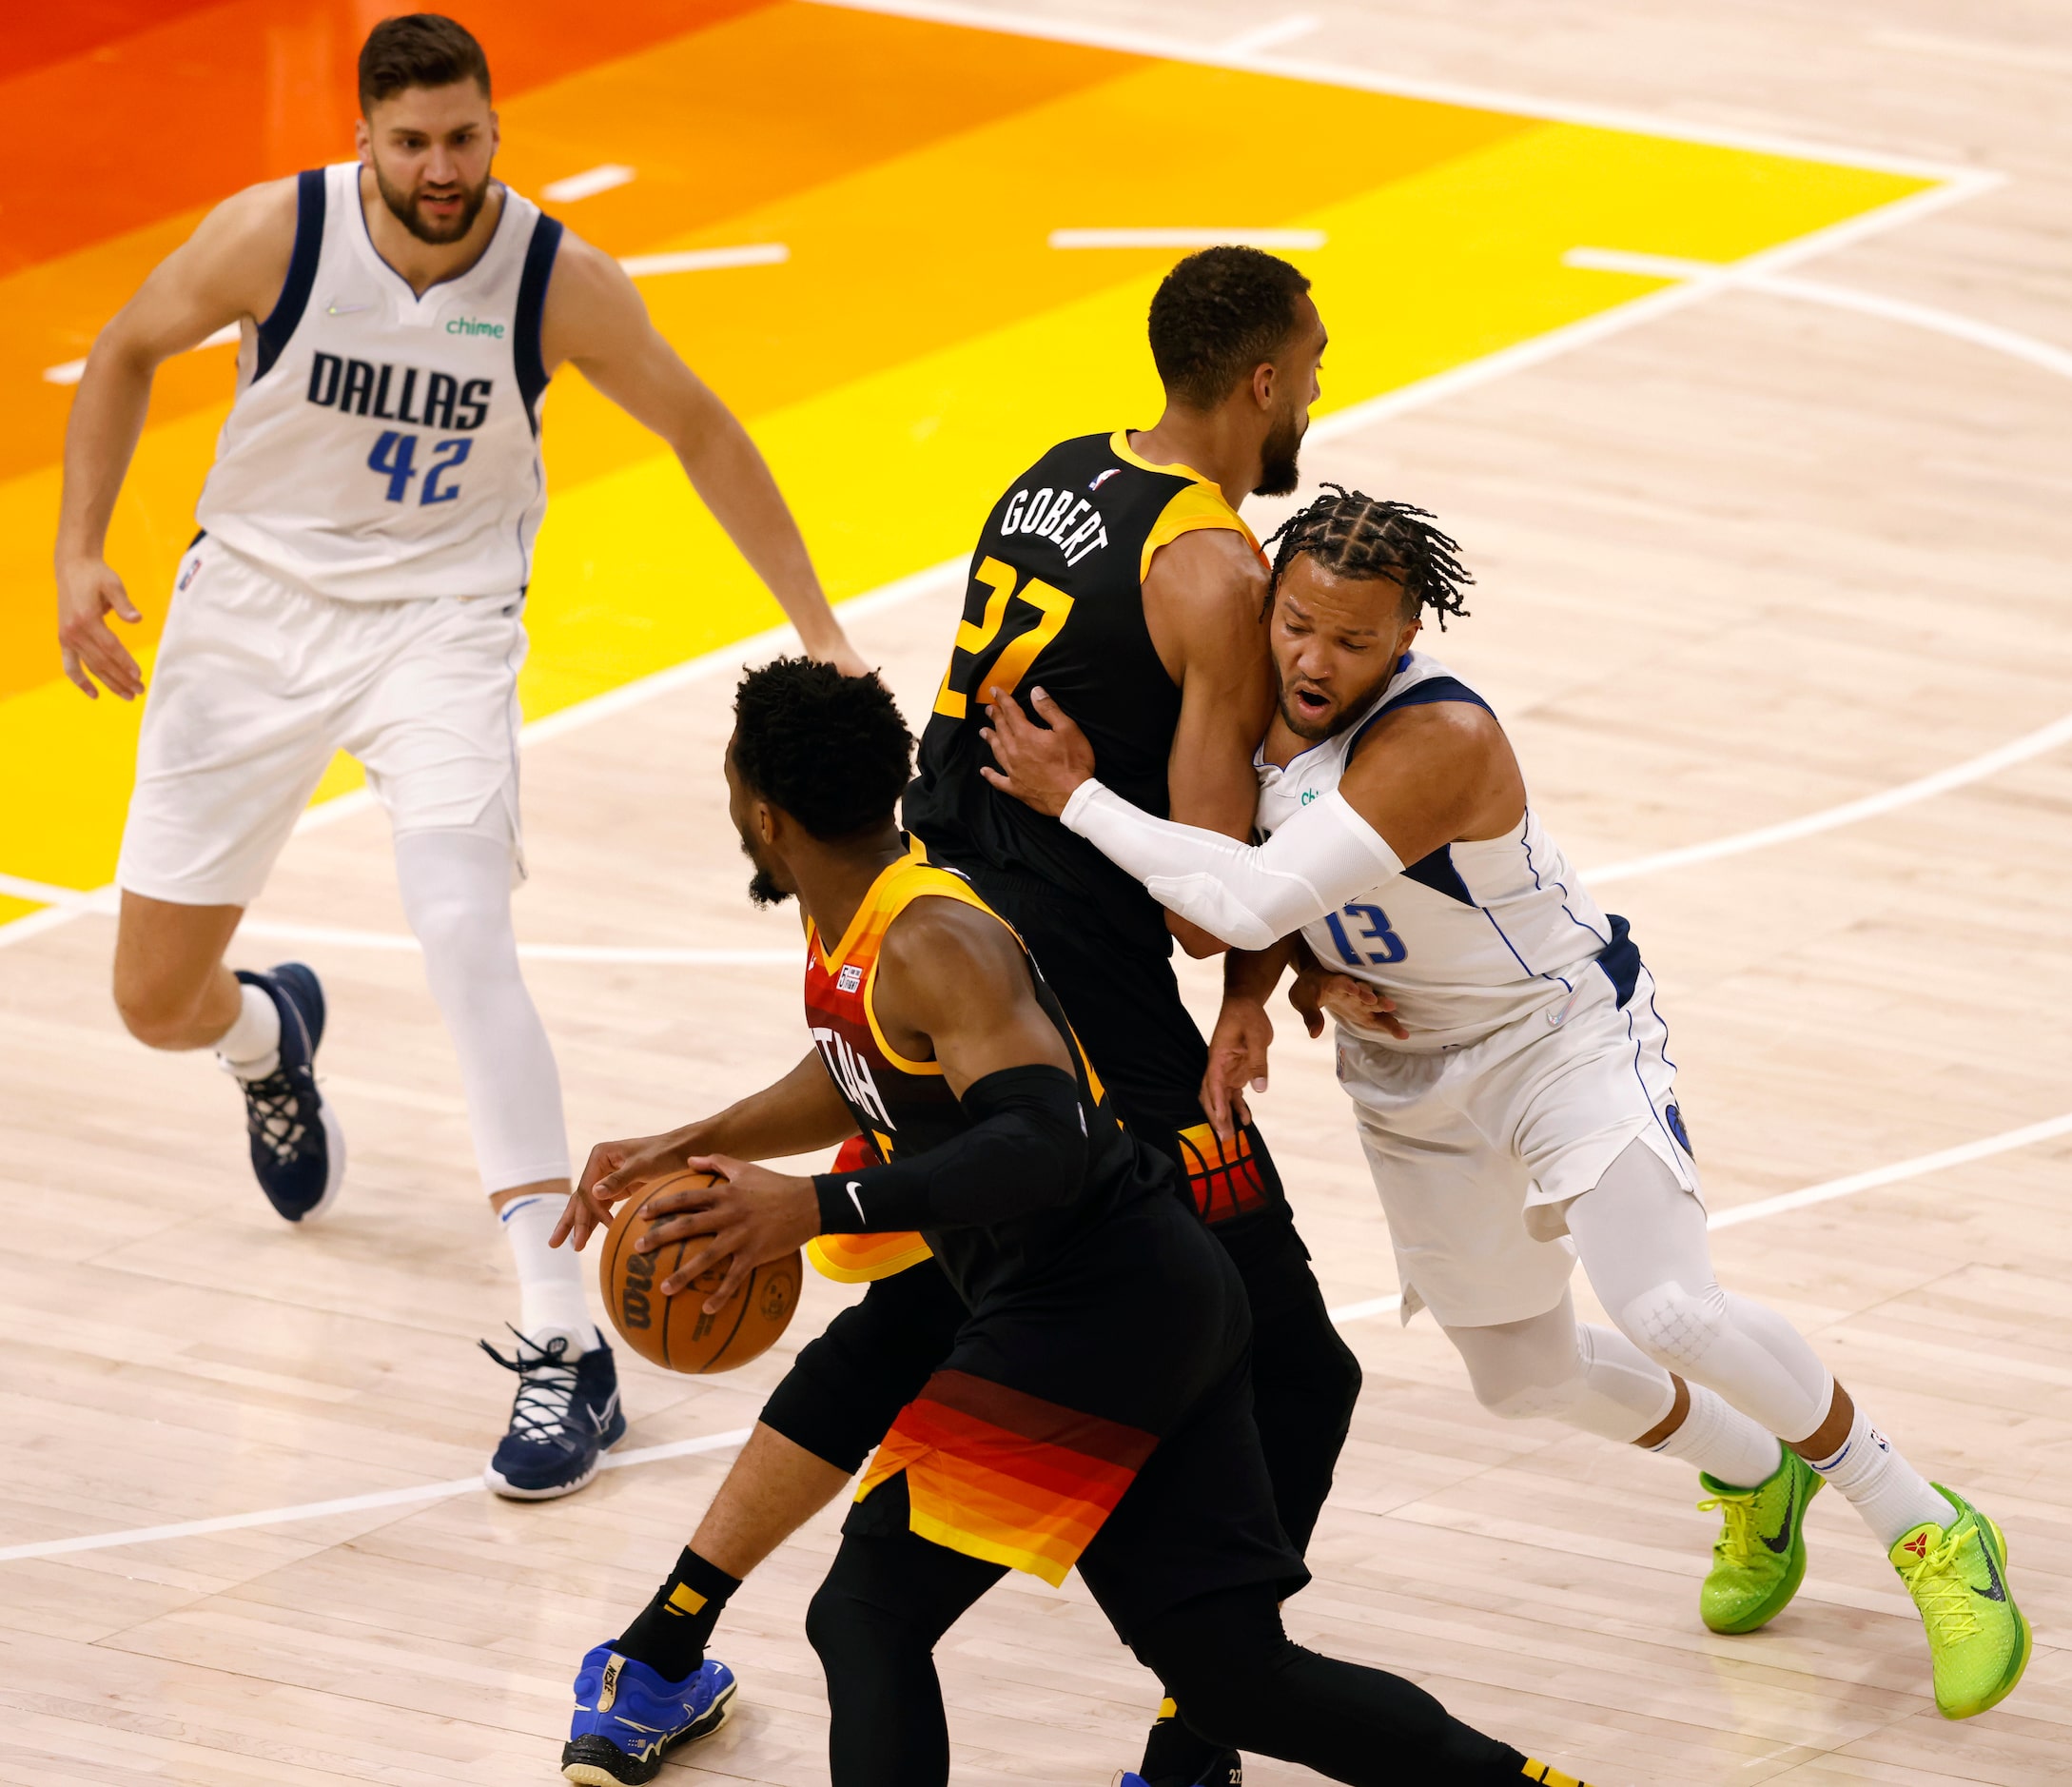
360 388
1072 523
851 1073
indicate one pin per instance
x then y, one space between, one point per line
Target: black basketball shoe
298 1148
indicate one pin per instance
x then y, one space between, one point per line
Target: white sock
550 1298
1889 1493
1723 1443
251 1046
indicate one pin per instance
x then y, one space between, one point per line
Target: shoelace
273 1113
546 1385
1940 1589
1735 1545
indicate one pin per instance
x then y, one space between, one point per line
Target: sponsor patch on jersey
476 325
1113 471
849 978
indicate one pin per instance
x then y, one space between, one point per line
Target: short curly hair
1218 315
832 751
1352 534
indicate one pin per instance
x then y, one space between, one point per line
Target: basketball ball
676 1332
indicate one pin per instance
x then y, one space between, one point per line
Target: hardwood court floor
1740 563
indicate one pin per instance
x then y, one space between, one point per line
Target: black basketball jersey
907 1107
1055 598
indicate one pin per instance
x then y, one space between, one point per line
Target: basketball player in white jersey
1498 1037
359 584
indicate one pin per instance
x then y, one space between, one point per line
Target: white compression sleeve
1246 894
457 894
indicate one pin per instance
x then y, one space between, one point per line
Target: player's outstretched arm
1446 773
232 266
800 1113
596 318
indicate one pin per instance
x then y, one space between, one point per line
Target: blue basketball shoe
298 1148
563 1420
627 1716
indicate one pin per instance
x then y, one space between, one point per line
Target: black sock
670 1633
1174 1757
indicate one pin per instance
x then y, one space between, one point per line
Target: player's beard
1303 727
1280 471
763 888
403 206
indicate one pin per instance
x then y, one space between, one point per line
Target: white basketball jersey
385 446
1476 935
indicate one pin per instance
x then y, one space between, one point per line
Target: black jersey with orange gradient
1055 598
905 1108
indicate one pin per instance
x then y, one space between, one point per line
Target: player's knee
853 1634
1676 1328
839 1626
1339 1377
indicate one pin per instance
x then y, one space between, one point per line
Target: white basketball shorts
1475 1150
258 684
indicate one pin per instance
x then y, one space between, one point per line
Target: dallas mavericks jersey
1476 935
385 446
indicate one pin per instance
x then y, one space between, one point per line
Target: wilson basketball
676 1332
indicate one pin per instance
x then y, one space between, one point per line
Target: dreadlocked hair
1352 534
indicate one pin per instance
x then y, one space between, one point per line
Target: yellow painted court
920 341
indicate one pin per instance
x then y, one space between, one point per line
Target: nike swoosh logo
858 1202
1999 1590
1782 1543
345 311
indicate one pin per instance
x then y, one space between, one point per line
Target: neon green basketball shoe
1759 1559
1957 1576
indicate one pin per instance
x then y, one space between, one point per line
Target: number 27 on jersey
975 640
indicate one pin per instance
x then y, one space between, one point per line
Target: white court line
70 903
2030 745
588 183
344 1504
707 260
1162 237
1271 36
1918 1167
1914 1169
70 371
1715 274
404 944
1239 54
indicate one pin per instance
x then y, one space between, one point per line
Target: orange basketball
676 1332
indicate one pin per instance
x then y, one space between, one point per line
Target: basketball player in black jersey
1093 1409
1118 572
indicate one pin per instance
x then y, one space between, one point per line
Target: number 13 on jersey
975 640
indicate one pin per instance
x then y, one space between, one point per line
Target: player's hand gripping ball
676 1332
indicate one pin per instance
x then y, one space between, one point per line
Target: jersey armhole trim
274 333
962 896
532 308
1197 509
1426 694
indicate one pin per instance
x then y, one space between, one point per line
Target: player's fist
88 592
